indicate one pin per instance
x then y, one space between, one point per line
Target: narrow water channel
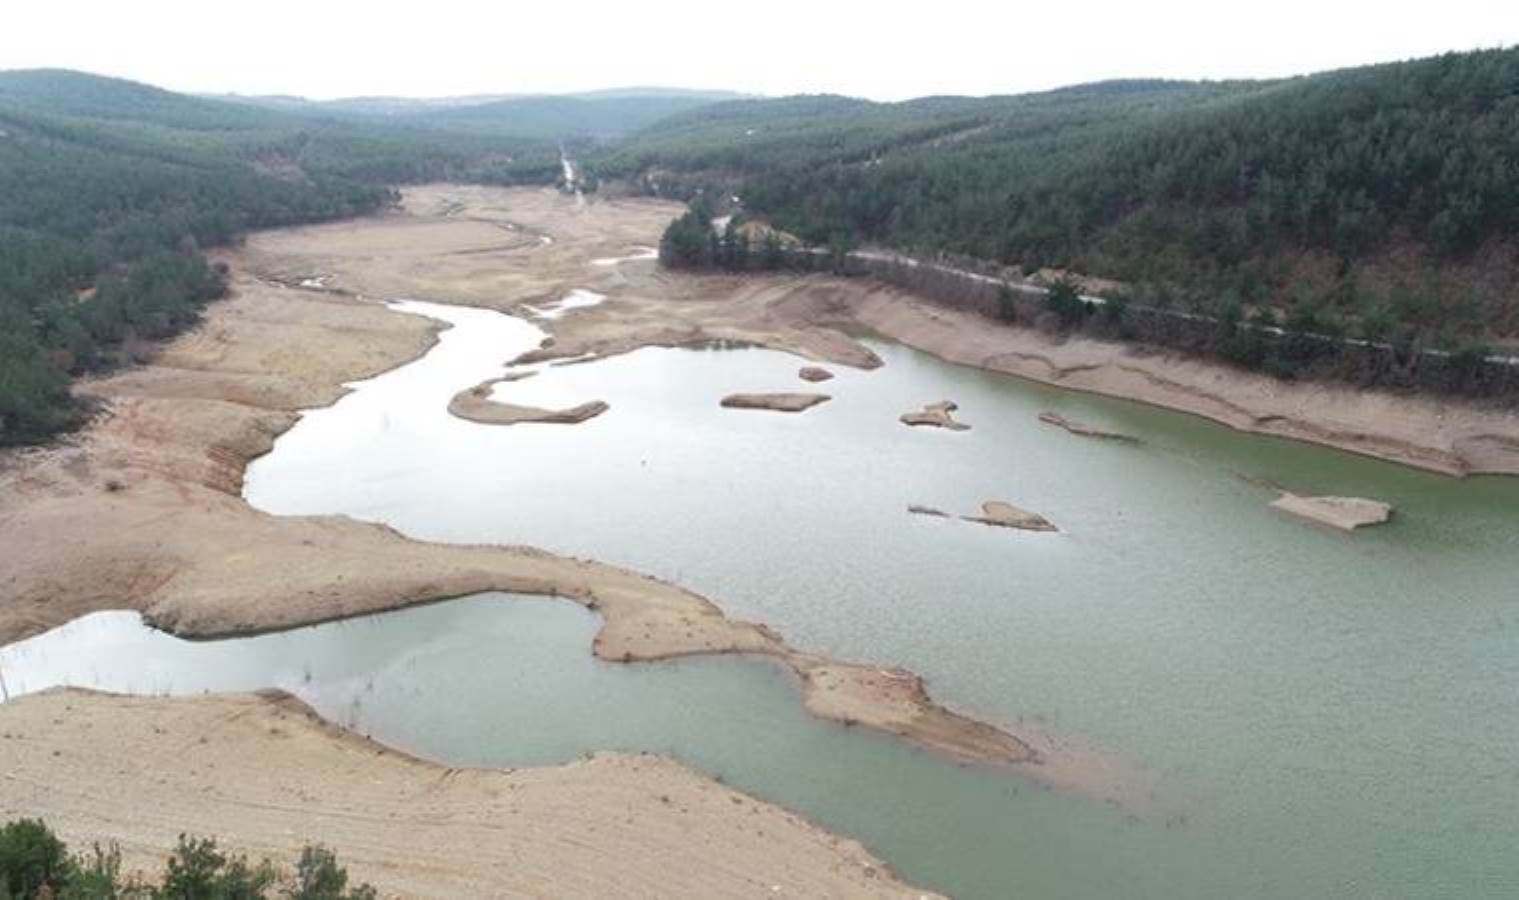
1329 715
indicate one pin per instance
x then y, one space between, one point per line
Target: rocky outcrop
1005 515
1344 513
936 415
791 403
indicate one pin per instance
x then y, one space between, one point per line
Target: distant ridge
612 111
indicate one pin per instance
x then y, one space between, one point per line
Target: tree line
109 192
1300 344
1381 202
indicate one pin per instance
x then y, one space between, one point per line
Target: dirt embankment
265 776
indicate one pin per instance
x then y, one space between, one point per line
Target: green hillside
108 189
796 134
1378 203
1383 198
592 115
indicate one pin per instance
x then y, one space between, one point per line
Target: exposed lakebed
1330 714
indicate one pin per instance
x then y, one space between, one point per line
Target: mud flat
1081 430
265 776
936 415
476 405
1005 515
1344 513
814 374
783 402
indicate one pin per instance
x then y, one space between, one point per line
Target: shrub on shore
35 864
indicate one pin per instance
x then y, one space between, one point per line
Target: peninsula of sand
143 511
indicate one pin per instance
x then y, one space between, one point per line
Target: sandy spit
264 775
1081 430
476 405
784 402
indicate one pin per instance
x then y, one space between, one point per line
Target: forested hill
595 115
804 132
108 190
1382 200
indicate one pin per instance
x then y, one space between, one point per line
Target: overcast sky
331 48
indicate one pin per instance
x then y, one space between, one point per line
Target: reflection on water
1335 712
580 298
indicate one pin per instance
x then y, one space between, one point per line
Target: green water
1331 715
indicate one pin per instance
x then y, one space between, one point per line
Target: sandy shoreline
814 315
611 824
1447 436
143 511
146 514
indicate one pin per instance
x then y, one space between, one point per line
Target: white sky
882 50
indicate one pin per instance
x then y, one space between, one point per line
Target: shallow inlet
580 298
1333 715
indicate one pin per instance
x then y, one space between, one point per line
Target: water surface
1335 714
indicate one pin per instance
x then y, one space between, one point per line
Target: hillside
594 115
1379 200
109 188
1378 203
796 134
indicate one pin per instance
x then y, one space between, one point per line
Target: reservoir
1322 714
